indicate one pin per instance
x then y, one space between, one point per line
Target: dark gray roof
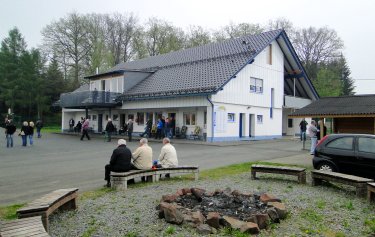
339 106
203 69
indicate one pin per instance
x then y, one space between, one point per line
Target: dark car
346 153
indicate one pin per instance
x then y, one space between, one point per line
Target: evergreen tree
346 80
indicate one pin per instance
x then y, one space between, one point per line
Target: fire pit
209 211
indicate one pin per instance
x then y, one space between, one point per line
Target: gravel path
314 211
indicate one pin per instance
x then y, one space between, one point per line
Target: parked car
346 153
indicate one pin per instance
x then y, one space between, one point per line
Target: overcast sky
353 20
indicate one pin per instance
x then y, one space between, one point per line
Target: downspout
212 118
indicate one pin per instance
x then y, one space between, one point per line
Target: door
251 125
366 156
341 152
242 124
100 123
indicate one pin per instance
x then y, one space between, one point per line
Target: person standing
120 161
85 129
167 127
159 127
24 132
163 126
31 132
313 135
71 124
39 125
10 129
303 126
109 130
130 129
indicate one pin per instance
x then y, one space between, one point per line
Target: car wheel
326 167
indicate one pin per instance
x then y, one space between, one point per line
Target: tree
237 30
12 49
197 36
68 37
282 23
160 37
316 46
347 82
328 82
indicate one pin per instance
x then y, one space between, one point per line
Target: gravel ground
314 211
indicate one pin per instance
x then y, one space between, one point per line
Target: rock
213 219
218 191
251 219
172 214
262 220
232 222
280 208
186 191
250 227
204 229
169 198
236 193
265 197
198 193
179 192
198 217
273 215
209 194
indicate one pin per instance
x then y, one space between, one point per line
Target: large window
259 118
345 143
290 123
366 144
256 85
140 118
189 119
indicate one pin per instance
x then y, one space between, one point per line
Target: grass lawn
51 129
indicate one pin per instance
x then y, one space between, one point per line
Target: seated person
168 155
142 156
120 161
121 131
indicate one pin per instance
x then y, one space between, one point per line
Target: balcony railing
87 99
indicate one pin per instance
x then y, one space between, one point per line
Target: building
238 89
347 114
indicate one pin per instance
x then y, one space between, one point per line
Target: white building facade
251 102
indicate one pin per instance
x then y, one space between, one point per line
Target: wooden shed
349 114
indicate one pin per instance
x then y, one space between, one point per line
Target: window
89 117
366 144
290 123
94 117
256 85
231 117
345 143
260 118
115 117
189 119
140 118
205 119
131 116
106 117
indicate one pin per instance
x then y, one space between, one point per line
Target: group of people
313 131
165 128
26 132
123 160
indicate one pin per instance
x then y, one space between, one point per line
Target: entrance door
251 125
242 124
100 123
122 120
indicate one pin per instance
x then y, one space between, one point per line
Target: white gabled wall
237 98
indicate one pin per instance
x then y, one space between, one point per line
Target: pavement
63 161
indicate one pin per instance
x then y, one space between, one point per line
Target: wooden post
321 128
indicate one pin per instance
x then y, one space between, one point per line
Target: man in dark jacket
130 129
120 161
109 130
10 129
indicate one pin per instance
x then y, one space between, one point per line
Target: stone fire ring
210 211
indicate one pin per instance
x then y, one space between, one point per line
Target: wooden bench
358 182
177 170
63 199
32 226
120 180
299 172
371 191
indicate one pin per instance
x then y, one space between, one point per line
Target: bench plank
119 179
295 171
359 183
59 199
31 226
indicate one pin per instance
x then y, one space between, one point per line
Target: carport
349 114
